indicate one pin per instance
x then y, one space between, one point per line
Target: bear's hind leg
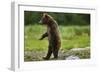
48 54
55 52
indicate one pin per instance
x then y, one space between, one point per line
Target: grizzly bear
52 34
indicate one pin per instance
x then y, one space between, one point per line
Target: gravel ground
73 54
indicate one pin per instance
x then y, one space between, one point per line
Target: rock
79 49
72 57
82 53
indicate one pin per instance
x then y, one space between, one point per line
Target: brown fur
52 34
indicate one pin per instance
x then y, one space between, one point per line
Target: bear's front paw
40 39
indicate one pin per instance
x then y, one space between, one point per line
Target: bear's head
46 19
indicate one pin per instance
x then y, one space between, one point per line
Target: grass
32 35
71 37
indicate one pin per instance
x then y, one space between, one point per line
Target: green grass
32 35
71 37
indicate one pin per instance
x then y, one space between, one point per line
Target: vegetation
71 37
62 18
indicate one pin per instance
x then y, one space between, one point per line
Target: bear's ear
45 14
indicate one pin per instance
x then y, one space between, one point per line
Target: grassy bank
71 37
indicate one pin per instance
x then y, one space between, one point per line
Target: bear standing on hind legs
52 34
